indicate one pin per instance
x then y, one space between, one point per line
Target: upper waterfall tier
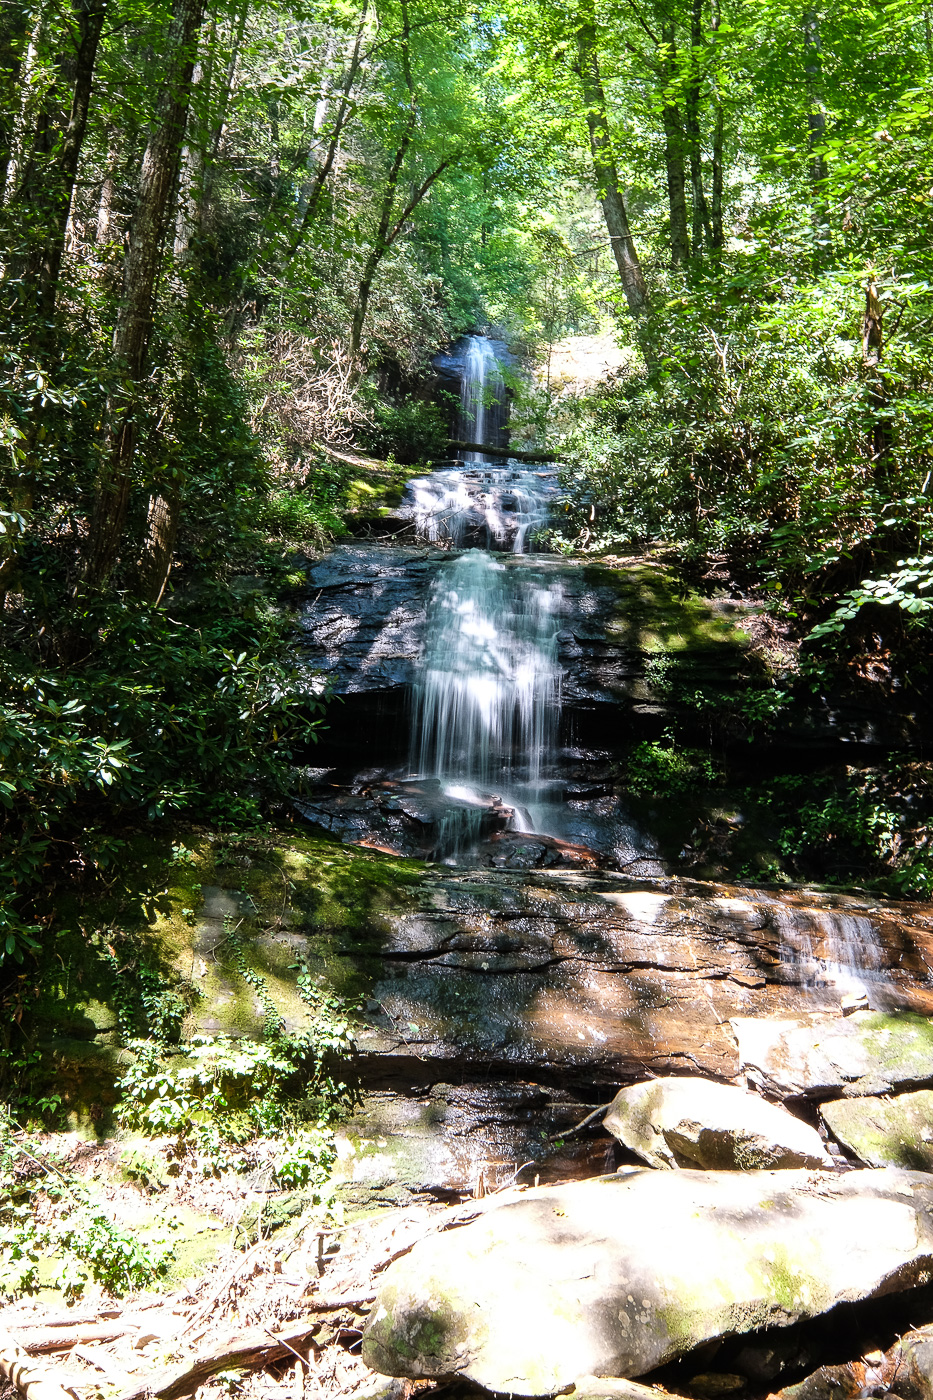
486 503
482 395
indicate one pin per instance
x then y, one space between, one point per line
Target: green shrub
660 769
410 430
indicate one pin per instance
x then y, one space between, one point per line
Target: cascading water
489 504
482 396
487 706
488 703
826 948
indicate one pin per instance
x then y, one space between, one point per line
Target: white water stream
830 948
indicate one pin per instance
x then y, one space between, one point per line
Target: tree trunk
816 126
108 190
872 353
43 196
380 246
190 188
604 165
386 237
159 545
674 158
314 195
387 233
702 228
14 27
134 324
718 141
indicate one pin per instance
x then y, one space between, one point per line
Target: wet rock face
621 1274
407 817
692 1122
472 1138
607 979
363 624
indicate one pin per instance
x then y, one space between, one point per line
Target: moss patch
162 943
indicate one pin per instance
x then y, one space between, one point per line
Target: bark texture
44 191
134 325
674 142
604 166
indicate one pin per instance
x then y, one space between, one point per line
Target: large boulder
694 1122
617 1275
869 1052
885 1132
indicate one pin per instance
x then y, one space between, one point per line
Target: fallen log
33 1382
39 1339
542 457
253 1347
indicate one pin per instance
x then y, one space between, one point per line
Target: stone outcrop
894 1132
820 1056
618 1275
692 1122
611 980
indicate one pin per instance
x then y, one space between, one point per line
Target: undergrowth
49 1217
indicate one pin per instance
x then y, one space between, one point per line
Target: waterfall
482 395
830 948
487 704
489 504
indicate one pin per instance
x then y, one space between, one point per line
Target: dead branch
51 1338
593 1117
33 1382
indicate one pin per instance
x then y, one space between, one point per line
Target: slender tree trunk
816 126
319 183
42 200
387 232
90 18
108 190
26 124
134 324
190 187
872 354
718 140
604 165
386 237
674 157
14 28
702 228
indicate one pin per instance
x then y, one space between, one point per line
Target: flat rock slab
618 1275
866 1053
885 1132
611 978
693 1122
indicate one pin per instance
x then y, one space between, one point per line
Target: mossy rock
164 949
896 1132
